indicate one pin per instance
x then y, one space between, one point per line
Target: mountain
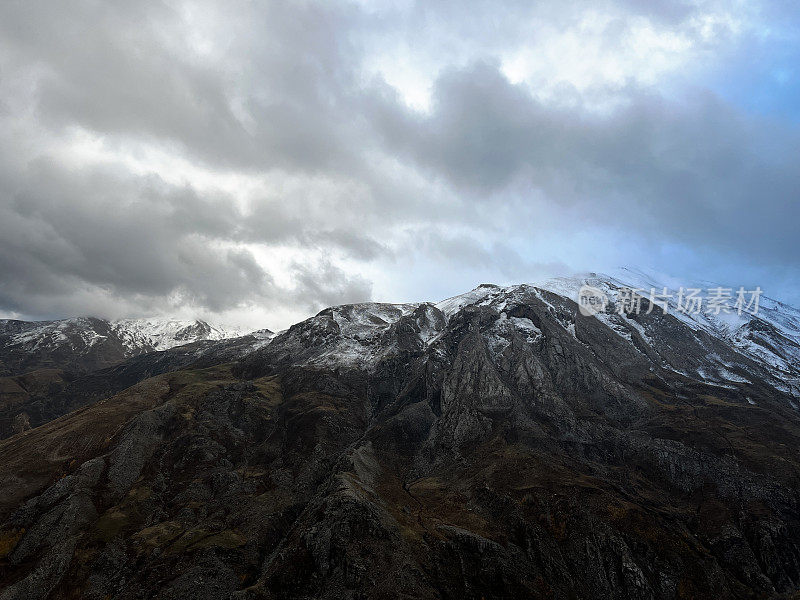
722 348
498 444
85 344
36 397
55 367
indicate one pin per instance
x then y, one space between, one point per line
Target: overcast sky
253 162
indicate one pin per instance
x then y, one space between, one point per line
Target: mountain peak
87 343
163 334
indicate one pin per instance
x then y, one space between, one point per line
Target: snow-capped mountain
87 343
511 404
164 334
770 337
721 348
499 443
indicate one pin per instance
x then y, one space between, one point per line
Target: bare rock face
497 445
21 423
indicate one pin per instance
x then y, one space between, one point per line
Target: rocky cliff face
496 445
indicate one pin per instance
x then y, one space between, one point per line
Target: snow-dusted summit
164 334
724 349
86 343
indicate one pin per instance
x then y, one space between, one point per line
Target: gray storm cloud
353 192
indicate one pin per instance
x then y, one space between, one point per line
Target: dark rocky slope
505 448
37 397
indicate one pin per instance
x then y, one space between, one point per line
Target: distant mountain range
497 444
87 343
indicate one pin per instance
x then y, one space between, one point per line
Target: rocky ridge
85 344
